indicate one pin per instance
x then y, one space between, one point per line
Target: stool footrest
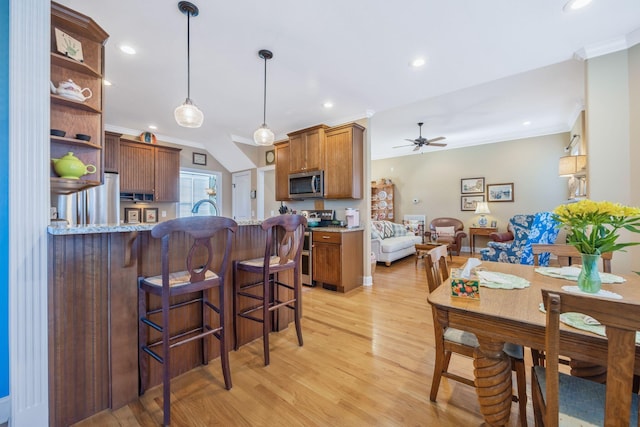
247 316
177 305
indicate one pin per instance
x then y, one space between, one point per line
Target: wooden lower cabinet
337 259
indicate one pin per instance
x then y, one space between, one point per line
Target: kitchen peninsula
93 339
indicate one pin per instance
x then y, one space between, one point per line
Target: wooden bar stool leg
297 305
166 361
235 297
143 357
266 319
206 320
224 351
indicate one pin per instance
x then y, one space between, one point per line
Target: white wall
434 178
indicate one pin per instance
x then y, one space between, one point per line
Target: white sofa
391 241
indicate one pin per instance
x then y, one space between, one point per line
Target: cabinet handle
326 237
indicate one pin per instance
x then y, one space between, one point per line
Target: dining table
515 316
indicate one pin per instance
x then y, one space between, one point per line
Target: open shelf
72 64
69 186
76 142
60 100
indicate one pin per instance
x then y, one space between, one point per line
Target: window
199 187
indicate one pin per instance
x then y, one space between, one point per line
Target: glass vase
589 278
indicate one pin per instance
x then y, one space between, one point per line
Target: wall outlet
163 214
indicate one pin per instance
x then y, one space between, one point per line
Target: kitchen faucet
200 202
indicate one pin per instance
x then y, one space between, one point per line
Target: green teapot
71 167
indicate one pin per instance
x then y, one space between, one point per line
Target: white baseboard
5 409
367 280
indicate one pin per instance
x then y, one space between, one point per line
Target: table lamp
482 208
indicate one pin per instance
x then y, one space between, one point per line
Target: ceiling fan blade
440 138
399 146
417 147
411 140
438 144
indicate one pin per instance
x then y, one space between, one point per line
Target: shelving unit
76 117
382 202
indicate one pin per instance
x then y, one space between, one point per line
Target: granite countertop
121 228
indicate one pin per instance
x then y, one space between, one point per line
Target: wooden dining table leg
492 370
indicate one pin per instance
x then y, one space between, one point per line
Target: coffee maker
352 217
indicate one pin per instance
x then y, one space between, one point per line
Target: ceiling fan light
264 136
188 115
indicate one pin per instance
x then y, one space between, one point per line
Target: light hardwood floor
367 360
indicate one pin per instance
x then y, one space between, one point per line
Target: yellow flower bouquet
593 230
593 226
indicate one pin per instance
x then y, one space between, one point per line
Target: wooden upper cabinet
150 169
343 158
112 152
137 167
282 171
305 149
167 174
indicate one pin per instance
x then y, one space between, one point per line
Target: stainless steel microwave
306 185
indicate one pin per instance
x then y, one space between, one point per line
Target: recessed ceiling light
527 123
328 104
418 62
153 127
127 49
572 5
106 82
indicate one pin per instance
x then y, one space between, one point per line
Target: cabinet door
282 172
343 156
111 152
137 171
167 175
313 149
327 264
297 153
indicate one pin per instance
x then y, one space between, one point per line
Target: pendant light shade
187 114
263 135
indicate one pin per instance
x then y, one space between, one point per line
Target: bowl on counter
58 132
83 137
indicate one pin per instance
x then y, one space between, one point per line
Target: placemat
496 280
571 273
584 322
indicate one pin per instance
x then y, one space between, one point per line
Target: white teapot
70 90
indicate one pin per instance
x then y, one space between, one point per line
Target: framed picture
500 192
150 215
131 215
199 159
468 203
494 224
471 185
270 157
68 46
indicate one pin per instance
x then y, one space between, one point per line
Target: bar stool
198 278
284 240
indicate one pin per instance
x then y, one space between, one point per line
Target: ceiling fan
420 141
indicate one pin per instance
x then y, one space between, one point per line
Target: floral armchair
526 229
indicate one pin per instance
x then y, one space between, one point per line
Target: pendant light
263 135
187 114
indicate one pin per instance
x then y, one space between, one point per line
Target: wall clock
270 157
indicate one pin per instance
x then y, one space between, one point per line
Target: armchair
526 230
454 241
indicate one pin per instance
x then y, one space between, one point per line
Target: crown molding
609 46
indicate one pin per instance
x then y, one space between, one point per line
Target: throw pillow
378 227
388 230
445 231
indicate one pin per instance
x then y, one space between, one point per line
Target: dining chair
284 237
206 266
451 340
560 399
568 255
